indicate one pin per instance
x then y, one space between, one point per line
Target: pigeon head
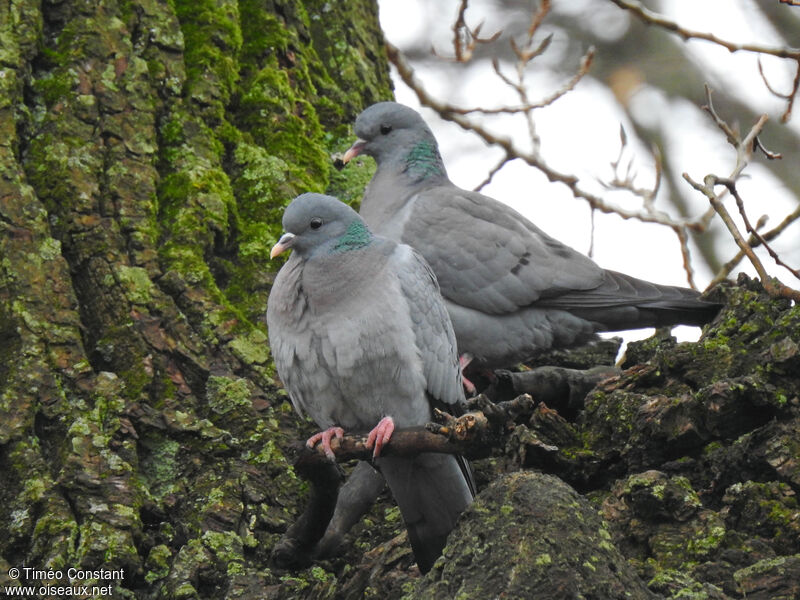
393 133
314 223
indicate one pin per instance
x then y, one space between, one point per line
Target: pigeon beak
354 151
286 242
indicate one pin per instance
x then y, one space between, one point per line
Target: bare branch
744 149
772 91
466 39
753 231
757 145
459 31
494 170
683 239
652 18
729 266
624 171
793 94
474 434
772 287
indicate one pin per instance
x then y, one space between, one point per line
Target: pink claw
380 435
469 387
325 437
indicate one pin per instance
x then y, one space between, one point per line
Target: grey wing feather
433 330
487 256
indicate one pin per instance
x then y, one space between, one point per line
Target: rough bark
147 148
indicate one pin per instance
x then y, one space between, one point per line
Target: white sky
580 132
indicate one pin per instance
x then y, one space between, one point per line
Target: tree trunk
147 150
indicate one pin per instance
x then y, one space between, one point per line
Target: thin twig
494 171
744 149
753 231
795 85
771 286
769 87
652 18
729 266
466 39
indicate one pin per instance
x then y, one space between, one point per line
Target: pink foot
325 437
380 435
469 387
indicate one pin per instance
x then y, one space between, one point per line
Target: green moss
227 548
295 137
196 200
34 489
392 515
136 282
345 77
763 566
103 542
157 563
251 348
706 540
225 394
543 560
160 465
235 142
212 69
185 590
262 192
50 249
675 584
53 86
322 575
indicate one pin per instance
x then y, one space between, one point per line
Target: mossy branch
474 434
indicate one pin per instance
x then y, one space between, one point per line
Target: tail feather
625 302
431 490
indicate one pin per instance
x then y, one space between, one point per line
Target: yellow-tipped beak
354 151
286 241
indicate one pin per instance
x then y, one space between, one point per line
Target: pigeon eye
316 223
386 129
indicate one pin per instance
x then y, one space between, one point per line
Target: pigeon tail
623 302
431 490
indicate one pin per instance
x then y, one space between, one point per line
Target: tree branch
744 150
652 18
728 267
474 434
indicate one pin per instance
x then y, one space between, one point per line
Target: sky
580 133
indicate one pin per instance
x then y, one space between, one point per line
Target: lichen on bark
148 149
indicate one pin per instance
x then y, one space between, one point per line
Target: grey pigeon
362 341
512 291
